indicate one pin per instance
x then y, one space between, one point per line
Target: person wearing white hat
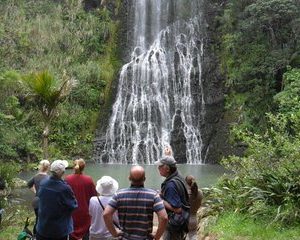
106 188
56 204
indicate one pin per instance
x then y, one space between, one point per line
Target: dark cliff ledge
120 14
214 126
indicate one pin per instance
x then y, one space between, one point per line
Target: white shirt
98 228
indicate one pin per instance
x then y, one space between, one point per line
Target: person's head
190 180
168 151
44 165
137 175
166 166
79 165
58 168
107 186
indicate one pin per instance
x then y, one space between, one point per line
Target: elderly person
106 188
135 206
84 188
34 185
56 204
195 199
175 197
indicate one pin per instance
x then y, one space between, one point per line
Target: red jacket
84 188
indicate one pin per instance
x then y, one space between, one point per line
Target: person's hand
177 210
152 236
119 233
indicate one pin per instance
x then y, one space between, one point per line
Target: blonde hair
44 165
79 165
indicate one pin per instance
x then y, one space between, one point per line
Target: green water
206 175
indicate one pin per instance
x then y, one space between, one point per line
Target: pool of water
206 175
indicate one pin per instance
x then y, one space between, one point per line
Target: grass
230 226
234 226
13 221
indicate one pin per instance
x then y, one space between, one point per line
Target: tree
260 38
46 93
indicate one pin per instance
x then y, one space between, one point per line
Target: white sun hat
107 186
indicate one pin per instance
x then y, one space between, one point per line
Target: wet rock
19 183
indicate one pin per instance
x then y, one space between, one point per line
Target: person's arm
108 219
162 223
169 207
171 199
30 185
69 199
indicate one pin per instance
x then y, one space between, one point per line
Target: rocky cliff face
212 122
213 127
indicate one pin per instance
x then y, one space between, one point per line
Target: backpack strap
116 225
181 187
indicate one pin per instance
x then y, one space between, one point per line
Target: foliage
260 57
232 226
47 93
14 220
266 181
67 41
17 138
8 171
259 39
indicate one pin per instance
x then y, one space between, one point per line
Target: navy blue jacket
57 201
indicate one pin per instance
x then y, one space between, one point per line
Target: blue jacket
57 201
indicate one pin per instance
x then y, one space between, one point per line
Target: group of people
73 208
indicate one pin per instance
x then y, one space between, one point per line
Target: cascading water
160 89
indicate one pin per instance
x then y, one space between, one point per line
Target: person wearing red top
84 188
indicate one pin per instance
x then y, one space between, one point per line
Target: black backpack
180 221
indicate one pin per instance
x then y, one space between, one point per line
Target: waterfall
160 93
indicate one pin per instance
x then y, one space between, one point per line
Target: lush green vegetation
61 39
231 226
260 55
259 40
45 47
14 220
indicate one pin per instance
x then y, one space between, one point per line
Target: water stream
160 93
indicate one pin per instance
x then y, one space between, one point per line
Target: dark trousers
36 220
39 237
174 235
85 237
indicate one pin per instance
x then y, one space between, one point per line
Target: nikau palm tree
47 92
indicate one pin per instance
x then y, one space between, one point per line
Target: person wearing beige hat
56 204
106 188
175 197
